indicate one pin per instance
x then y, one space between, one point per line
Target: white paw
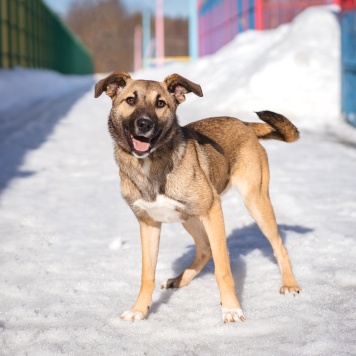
232 315
289 289
131 315
170 283
164 285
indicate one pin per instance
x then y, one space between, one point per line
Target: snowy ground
69 245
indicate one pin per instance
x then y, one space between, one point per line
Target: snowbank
294 70
27 95
22 87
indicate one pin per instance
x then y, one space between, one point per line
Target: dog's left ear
113 84
178 86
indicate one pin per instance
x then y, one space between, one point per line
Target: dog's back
227 141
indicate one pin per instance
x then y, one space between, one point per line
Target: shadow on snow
25 128
241 242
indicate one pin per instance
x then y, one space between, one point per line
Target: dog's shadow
240 242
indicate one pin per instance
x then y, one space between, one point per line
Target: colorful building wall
221 20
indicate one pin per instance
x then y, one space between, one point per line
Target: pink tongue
140 146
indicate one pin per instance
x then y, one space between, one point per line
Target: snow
70 248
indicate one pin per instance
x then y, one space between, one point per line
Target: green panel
31 35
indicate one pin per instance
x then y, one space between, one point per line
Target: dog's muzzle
144 137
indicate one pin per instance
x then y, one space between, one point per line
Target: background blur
107 29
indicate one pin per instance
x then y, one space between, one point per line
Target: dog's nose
144 124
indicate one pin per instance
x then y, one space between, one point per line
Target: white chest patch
146 166
163 209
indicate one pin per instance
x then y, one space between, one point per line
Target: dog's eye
130 100
161 103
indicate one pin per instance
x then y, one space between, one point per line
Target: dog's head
144 111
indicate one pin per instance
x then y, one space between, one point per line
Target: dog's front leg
213 222
150 235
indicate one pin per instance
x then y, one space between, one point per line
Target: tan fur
173 173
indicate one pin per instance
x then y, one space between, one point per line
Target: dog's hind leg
202 255
252 180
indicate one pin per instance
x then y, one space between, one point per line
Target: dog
172 173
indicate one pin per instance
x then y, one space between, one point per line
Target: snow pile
21 87
29 94
70 251
294 70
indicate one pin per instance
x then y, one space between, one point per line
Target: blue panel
348 44
193 30
208 5
251 14
240 26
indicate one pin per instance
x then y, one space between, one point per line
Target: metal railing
31 35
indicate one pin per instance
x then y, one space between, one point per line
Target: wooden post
138 48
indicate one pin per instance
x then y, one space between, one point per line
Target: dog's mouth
140 145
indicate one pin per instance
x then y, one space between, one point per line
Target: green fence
31 35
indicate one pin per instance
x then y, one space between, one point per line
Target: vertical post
2 23
159 33
259 14
202 31
146 39
16 34
138 48
10 34
244 15
240 18
193 30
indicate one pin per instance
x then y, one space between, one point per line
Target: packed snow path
70 256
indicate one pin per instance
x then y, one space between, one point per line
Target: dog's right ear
113 84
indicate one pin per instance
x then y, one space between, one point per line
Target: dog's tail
277 127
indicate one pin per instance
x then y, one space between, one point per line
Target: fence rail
31 35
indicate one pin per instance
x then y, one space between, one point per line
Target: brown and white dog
171 173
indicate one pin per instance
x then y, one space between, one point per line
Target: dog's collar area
140 145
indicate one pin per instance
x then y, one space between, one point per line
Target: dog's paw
172 283
232 315
289 289
131 315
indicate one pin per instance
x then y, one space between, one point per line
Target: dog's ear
113 84
178 86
